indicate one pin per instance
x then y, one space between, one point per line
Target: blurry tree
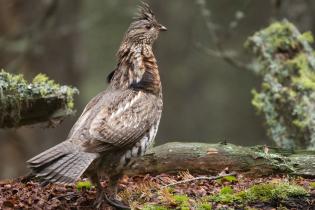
37 36
286 97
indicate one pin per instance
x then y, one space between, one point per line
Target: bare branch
220 51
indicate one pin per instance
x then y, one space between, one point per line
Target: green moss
10 82
286 190
312 185
277 36
300 123
226 190
286 96
40 78
262 192
269 191
257 101
83 185
45 85
154 207
230 178
181 198
307 36
282 32
226 178
204 206
305 78
258 193
174 202
182 201
265 86
265 192
15 90
226 196
70 97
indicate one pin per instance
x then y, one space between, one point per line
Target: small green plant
226 178
182 201
81 185
204 206
154 207
226 196
230 178
227 190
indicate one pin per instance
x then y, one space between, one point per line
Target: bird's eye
148 27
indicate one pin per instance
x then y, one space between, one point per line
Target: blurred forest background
206 99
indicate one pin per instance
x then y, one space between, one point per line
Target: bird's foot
99 200
111 201
116 203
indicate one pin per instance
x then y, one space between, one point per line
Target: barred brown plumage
117 125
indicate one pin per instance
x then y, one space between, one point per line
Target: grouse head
145 28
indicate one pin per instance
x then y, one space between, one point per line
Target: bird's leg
100 195
112 200
100 192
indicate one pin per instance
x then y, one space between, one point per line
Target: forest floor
149 192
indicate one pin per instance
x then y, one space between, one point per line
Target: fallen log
205 158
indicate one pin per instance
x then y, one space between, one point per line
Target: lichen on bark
286 97
23 103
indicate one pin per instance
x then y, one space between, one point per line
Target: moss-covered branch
214 158
286 98
42 100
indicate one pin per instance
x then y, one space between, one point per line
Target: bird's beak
163 28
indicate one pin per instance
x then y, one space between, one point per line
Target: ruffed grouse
117 125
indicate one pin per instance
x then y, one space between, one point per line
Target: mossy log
205 158
42 100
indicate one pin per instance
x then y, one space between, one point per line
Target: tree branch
43 100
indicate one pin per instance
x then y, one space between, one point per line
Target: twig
210 178
212 30
69 194
227 57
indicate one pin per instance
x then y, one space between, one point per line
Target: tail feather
82 164
58 166
41 162
63 163
73 173
50 154
56 176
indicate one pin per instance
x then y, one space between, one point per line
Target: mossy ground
227 197
148 193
